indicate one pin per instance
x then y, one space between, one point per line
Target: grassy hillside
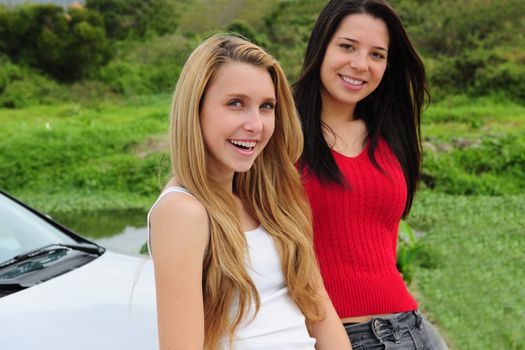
208 15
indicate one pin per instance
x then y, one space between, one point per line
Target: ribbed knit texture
355 234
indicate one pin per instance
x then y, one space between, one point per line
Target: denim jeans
403 331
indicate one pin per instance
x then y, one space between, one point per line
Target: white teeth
246 144
352 81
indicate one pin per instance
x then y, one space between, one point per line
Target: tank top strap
163 194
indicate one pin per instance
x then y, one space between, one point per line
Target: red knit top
355 234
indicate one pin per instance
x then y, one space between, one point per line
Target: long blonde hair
271 191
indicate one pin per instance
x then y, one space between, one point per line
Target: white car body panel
107 304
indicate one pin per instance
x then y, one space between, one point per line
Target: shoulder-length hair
392 111
271 191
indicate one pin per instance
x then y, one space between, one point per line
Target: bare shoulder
181 220
178 204
179 235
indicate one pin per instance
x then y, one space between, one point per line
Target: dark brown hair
392 111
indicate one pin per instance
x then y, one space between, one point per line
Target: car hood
108 303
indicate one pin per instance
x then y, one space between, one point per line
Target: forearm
329 332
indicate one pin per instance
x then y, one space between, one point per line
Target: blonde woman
230 234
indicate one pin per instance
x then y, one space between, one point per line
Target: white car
60 291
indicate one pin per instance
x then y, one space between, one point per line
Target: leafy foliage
137 18
492 165
65 45
474 47
411 253
288 27
247 31
22 86
472 44
146 68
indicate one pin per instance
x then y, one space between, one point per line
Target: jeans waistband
387 326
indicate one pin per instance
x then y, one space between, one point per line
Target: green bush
31 90
126 173
493 166
288 26
9 72
471 47
136 18
148 67
65 45
87 49
22 87
508 77
479 72
123 78
241 27
463 25
411 253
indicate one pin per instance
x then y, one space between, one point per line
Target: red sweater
355 234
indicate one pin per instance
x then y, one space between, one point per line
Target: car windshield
22 231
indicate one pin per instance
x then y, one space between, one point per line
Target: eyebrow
355 41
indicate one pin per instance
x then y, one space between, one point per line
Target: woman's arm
179 236
329 332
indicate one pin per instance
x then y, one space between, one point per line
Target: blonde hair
271 191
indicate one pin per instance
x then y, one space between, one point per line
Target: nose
359 62
253 122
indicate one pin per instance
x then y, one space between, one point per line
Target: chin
242 168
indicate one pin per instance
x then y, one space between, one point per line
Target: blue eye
268 106
235 103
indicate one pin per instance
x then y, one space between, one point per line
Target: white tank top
279 324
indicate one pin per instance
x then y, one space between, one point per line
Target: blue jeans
403 331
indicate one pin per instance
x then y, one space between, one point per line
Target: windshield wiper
83 247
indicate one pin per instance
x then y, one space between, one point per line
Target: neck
335 110
225 182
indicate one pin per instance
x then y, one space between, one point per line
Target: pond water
122 231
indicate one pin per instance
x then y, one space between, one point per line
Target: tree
125 18
65 45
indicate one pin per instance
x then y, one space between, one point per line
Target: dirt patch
152 144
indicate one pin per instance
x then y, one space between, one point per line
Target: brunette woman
360 97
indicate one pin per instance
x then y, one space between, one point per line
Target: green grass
476 292
461 117
70 157
474 146
468 110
